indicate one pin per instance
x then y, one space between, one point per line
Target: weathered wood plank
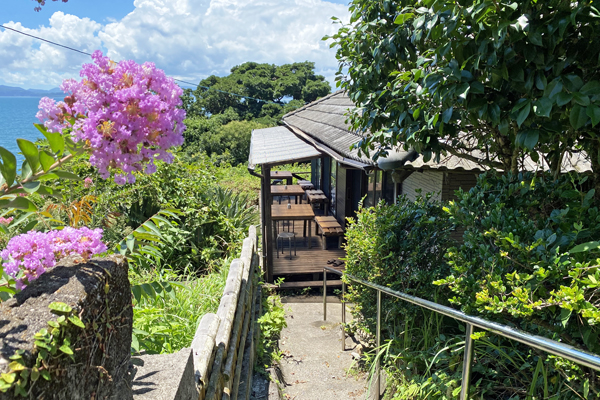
203 346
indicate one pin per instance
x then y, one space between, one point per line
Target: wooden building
321 135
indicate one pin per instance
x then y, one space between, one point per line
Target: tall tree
501 77
256 86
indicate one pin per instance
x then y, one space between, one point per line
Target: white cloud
189 39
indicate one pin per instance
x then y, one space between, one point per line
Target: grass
167 323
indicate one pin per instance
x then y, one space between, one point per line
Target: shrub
400 246
515 266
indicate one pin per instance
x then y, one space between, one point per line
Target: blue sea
17 116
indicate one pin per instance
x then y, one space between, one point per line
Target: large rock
99 292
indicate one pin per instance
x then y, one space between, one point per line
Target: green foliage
251 81
527 260
169 306
53 346
515 266
440 75
223 143
271 323
399 246
40 166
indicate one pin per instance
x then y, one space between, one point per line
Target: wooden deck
307 264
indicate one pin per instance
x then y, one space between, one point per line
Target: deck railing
551 346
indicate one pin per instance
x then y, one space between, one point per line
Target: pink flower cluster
35 252
6 221
127 115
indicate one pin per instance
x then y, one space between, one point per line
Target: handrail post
466 372
343 316
324 295
378 360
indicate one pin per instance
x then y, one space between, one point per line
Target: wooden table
297 212
287 175
291 190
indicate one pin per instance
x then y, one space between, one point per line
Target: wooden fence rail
224 345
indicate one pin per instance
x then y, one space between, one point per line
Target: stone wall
99 293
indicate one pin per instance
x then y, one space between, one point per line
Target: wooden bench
306 185
329 227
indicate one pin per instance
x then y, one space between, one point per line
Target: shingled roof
324 121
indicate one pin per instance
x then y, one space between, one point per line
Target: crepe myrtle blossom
6 221
125 113
34 252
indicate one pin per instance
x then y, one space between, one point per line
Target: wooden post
267 223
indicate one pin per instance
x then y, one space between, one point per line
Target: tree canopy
223 111
504 78
261 90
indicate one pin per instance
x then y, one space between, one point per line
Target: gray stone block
100 293
164 376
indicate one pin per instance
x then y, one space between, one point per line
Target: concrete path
314 367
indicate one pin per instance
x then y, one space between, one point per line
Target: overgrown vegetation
525 260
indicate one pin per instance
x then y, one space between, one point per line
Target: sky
188 39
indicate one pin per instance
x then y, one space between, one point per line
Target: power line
177 80
44 40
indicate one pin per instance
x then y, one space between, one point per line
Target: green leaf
563 98
542 107
137 292
447 115
46 159
66 349
540 81
66 175
60 307
565 314
135 344
53 324
31 153
591 88
581 99
55 139
45 374
22 203
555 87
523 114
76 321
593 111
35 374
578 116
585 247
25 170
31 187
9 166
402 18
528 138
47 177
8 378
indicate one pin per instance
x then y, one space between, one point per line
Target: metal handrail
548 345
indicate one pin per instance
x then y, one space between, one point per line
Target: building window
332 187
374 188
317 182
